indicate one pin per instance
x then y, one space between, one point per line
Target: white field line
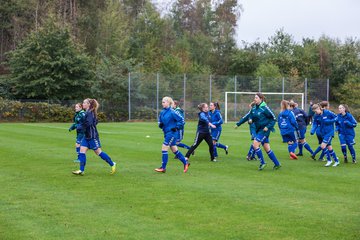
105 132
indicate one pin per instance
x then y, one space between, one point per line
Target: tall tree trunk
37 15
2 45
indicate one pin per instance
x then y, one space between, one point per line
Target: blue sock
219 145
352 151
251 151
182 145
180 156
325 152
307 147
294 146
317 150
343 149
215 151
82 159
322 154
301 145
273 158
165 158
289 148
260 155
333 154
106 158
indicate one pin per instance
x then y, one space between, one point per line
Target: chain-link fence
141 94
146 91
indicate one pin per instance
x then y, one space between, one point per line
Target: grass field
229 199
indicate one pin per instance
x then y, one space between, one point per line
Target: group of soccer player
87 136
292 122
171 121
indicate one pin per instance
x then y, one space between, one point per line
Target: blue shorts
262 139
215 134
179 135
327 139
346 139
302 134
79 137
91 143
170 138
289 137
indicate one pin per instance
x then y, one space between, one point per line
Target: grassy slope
230 199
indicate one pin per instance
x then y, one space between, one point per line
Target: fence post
210 88
235 89
157 95
226 107
129 93
259 84
184 97
327 89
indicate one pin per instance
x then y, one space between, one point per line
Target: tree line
68 49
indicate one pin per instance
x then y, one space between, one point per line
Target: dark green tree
306 59
48 64
280 51
244 62
145 43
114 30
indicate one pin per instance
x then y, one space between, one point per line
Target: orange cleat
293 156
160 170
186 167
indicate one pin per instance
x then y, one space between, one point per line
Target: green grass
229 199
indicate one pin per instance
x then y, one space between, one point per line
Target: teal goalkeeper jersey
78 119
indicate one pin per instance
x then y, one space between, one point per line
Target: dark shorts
302 134
215 134
91 143
289 137
262 138
346 139
170 138
327 139
180 135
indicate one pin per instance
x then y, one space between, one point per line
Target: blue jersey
216 119
345 124
287 122
89 124
169 120
324 123
301 118
316 125
203 123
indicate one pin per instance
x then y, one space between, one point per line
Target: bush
34 112
45 112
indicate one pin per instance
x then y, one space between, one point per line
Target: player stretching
264 120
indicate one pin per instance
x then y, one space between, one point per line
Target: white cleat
328 163
336 164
